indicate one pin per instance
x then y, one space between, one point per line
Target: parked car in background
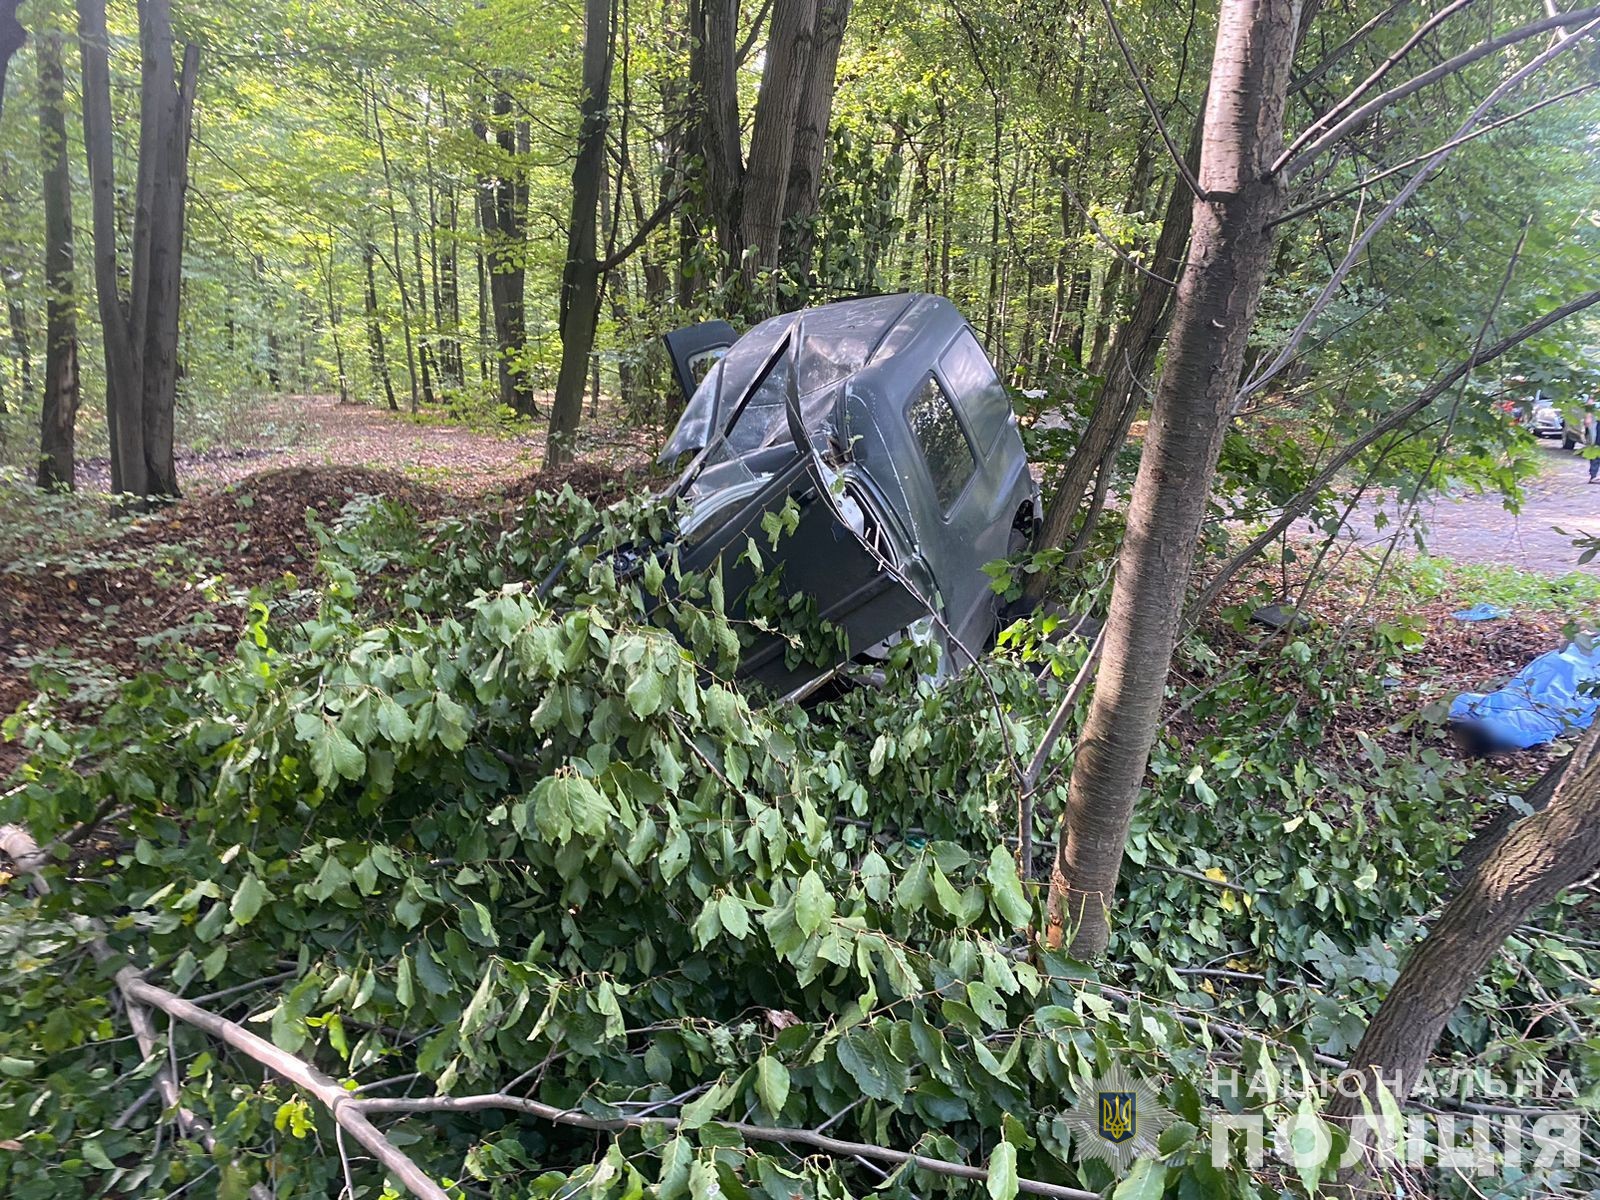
885 421
1549 421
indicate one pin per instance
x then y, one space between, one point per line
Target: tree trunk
333 325
139 331
375 351
580 276
503 213
398 266
1543 854
766 177
1221 286
12 36
1131 354
797 235
713 36
59 414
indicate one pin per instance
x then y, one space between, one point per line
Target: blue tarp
1544 700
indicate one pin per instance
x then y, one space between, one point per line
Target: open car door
695 349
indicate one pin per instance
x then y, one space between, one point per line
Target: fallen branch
835 1147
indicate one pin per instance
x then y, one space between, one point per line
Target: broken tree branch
1312 206
1173 152
1359 244
834 1147
1383 69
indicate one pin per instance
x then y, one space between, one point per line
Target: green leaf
568 804
866 1055
645 693
477 925
1146 1181
735 917
1002 1181
1006 888
248 898
772 1084
813 904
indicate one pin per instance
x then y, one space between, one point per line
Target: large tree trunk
59 413
1543 854
714 135
580 277
140 331
766 179
503 213
1226 268
797 236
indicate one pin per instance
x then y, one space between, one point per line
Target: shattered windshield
836 341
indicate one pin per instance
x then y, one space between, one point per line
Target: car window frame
945 511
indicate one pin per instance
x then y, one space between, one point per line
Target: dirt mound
106 611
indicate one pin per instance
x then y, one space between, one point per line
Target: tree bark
580 276
798 235
766 178
1225 271
375 351
59 412
503 214
12 37
713 36
1543 854
140 330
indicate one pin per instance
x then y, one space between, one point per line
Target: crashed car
885 422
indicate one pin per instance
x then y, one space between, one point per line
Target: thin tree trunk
1131 354
398 265
375 350
580 277
124 421
333 324
1221 286
503 212
1541 856
59 413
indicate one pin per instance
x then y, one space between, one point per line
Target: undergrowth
447 836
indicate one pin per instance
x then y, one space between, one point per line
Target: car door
695 349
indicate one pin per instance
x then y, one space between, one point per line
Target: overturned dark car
885 422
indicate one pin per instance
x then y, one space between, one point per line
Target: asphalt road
1473 528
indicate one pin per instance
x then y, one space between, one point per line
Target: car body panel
886 423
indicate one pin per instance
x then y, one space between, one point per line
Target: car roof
897 336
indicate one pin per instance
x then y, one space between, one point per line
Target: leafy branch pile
447 839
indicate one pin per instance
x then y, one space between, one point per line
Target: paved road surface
1479 529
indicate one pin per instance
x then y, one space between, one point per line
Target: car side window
976 387
944 444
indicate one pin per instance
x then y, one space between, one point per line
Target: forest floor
452 457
